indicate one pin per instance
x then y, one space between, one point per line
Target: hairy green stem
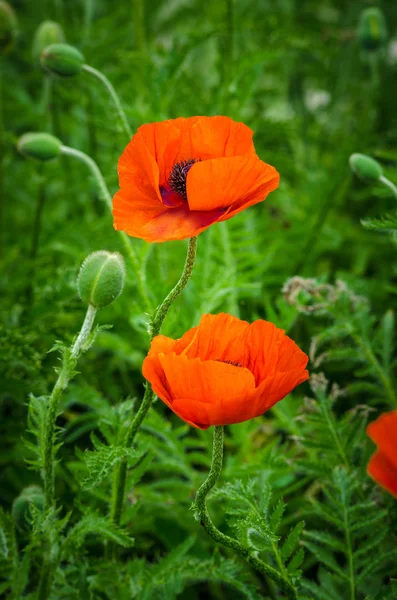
206 521
106 196
66 373
164 307
120 475
388 184
112 92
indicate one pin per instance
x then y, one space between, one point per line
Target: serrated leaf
292 540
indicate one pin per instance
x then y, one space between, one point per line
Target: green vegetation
316 82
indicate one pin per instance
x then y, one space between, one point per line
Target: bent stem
388 184
200 507
112 92
106 196
69 362
120 475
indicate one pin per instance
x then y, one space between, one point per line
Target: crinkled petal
383 432
383 472
229 182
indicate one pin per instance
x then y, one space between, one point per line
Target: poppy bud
49 32
101 278
372 29
8 27
365 167
31 496
62 60
41 146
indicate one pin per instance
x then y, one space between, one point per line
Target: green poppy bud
49 32
365 167
8 27
31 496
372 29
62 60
101 278
41 146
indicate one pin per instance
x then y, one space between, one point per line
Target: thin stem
120 475
112 92
349 553
206 521
66 373
41 197
106 196
388 184
164 307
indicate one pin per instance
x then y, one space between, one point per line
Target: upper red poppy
383 464
180 176
225 370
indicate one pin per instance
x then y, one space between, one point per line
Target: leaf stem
205 520
120 475
69 362
106 196
113 94
383 378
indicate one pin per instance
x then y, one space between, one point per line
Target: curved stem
106 196
164 307
66 373
112 92
120 475
206 521
388 184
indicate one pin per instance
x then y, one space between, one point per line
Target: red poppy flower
383 464
225 370
179 176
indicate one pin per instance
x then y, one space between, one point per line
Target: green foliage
303 77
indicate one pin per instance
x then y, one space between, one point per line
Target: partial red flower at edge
382 466
180 176
225 370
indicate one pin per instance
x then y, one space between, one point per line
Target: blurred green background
312 89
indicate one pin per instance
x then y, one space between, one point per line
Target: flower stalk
69 362
112 93
201 509
120 475
106 196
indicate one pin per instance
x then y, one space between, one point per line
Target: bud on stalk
365 167
62 60
41 146
101 278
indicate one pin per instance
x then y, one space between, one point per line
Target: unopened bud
365 167
372 29
8 27
41 146
101 278
49 32
62 60
30 499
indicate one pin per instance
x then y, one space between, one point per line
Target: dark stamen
230 362
177 178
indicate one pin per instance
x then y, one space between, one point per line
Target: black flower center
177 178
